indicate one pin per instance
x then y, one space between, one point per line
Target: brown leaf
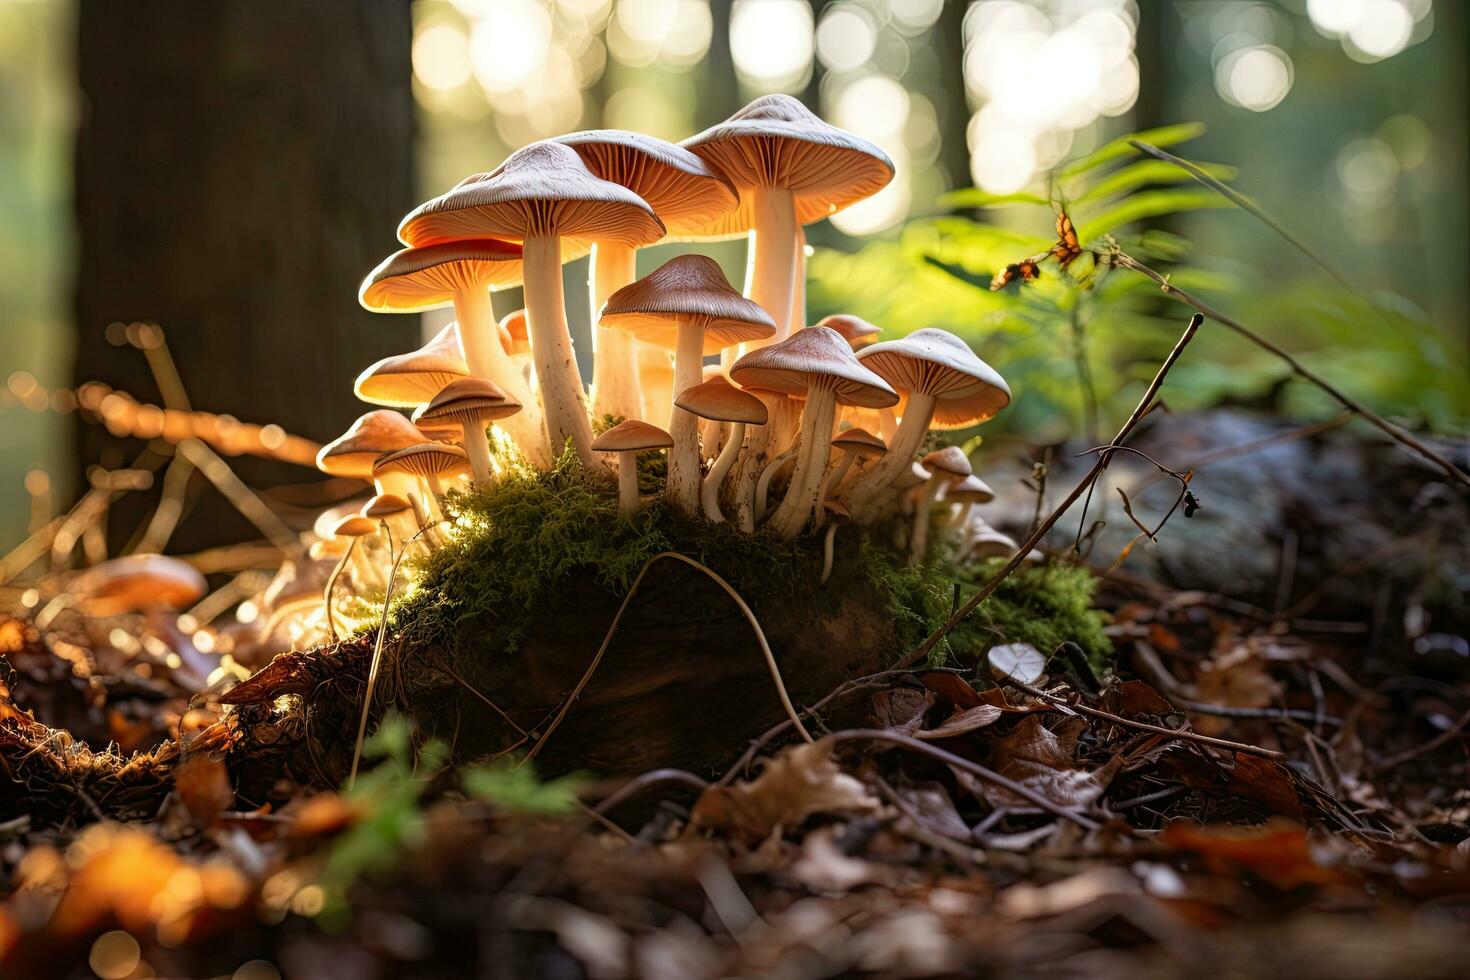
902 709
1268 783
932 808
1277 852
955 688
963 722
1132 699
1043 761
802 781
203 785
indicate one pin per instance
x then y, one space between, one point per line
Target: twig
755 626
1223 743
922 650
974 769
1442 738
1124 260
648 780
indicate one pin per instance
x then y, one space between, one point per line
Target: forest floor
1273 780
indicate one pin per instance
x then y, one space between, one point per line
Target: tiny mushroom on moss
834 515
719 400
970 491
472 404
429 462
946 466
688 306
855 444
628 439
353 453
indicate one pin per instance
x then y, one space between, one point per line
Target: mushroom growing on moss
687 305
688 196
628 439
818 363
721 401
471 404
462 273
946 467
544 197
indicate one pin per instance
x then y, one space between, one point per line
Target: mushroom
721 401
858 333
429 462
687 195
390 505
855 444
544 197
945 383
817 362
462 273
472 404
139 583
946 466
986 542
406 380
351 528
628 439
834 515
970 491
688 305
516 339
354 452
295 593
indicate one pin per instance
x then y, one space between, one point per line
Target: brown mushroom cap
467 401
540 189
632 435
354 526
372 435
688 195
857 331
951 461
405 380
792 365
426 278
718 399
860 442
776 141
385 505
972 489
424 459
967 390
139 583
688 287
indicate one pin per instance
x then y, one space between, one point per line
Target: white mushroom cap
966 389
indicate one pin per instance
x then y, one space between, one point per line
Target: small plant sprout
719 400
1020 662
688 306
854 444
628 439
688 196
945 383
544 197
406 380
471 404
834 515
353 453
817 363
462 273
946 467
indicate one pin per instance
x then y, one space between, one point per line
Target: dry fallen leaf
963 722
1277 852
801 781
1043 760
203 784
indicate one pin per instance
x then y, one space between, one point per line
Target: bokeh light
1255 78
771 43
1372 30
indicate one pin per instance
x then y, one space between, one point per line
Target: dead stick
1126 261
923 649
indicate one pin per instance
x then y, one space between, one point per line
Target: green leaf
974 197
1149 204
1123 147
515 787
1130 178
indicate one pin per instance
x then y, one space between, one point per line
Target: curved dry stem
612 629
332 587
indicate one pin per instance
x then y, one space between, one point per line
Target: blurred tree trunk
239 166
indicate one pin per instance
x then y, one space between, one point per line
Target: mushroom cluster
769 423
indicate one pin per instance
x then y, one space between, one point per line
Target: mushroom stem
364 573
682 488
627 483
615 352
785 423
887 423
772 268
798 281
831 481
813 449
709 492
486 358
827 551
753 457
551 344
901 448
919 539
763 485
477 448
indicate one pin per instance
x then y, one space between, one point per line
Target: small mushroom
429 462
353 453
628 439
688 306
834 515
719 400
854 444
350 529
388 509
985 542
946 466
406 380
472 404
139 583
858 332
970 491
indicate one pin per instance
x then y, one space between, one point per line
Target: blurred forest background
231 170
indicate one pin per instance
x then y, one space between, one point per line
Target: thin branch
1124 260
923 649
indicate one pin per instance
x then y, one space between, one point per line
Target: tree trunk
239 167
